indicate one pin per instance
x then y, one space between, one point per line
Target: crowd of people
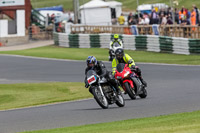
182 16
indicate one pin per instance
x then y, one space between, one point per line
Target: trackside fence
131 42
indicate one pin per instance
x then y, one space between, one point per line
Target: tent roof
55 8
114 3
145 7
95 4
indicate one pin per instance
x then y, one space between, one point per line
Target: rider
100 69
112 47
120 57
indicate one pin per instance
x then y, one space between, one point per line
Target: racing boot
117 89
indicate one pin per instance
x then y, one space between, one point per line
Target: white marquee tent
117 6
96 12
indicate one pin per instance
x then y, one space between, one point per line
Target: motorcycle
104 93
116 45
130 81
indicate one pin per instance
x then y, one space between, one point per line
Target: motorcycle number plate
91 80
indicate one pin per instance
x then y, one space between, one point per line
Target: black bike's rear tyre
144 93
97 95
130 90
120 101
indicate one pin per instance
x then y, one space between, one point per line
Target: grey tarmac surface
171 89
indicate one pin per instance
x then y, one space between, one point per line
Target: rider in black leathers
100 69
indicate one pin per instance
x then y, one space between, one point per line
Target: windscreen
120 67
116 44
90 73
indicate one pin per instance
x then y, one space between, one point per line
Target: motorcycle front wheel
101 100
120 100
130 90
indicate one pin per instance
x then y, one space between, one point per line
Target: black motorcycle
104 93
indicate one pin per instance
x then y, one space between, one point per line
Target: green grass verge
102 54
176 123
127 4
29 94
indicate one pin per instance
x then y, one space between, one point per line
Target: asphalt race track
171 89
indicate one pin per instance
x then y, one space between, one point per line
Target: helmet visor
119 56
90 64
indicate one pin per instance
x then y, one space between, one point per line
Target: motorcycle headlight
118 77
126 74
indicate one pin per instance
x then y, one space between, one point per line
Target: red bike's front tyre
130 91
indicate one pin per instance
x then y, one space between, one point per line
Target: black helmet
119 53
91 61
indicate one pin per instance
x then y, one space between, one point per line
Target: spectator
160 19
129 16
169 12
137 16
169 20
121 19
188 15
176 15
164 20
53 18
182 14
162 12
146 19
132 21
48 19
197 14
70 20
141 21
193 17
154 17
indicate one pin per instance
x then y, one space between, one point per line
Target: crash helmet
119 53
91 61
116 37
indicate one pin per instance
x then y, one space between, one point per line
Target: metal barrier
186 31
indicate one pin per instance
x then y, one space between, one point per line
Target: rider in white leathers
114 45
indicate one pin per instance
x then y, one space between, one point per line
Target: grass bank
127 4
30 94
176 123
102 54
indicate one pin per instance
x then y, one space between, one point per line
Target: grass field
127 4
30 94
102 54
176 123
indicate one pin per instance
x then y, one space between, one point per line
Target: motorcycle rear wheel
130 91
101 100
144 93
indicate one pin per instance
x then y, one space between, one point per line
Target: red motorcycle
130 81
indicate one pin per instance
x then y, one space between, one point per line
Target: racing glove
133 68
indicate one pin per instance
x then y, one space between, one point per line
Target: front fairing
122 71
92 77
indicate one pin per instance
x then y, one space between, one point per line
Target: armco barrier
131 42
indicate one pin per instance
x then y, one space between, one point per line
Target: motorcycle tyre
120 98
129 90
144 93
104 106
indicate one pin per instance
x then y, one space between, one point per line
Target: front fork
101 91
130 82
